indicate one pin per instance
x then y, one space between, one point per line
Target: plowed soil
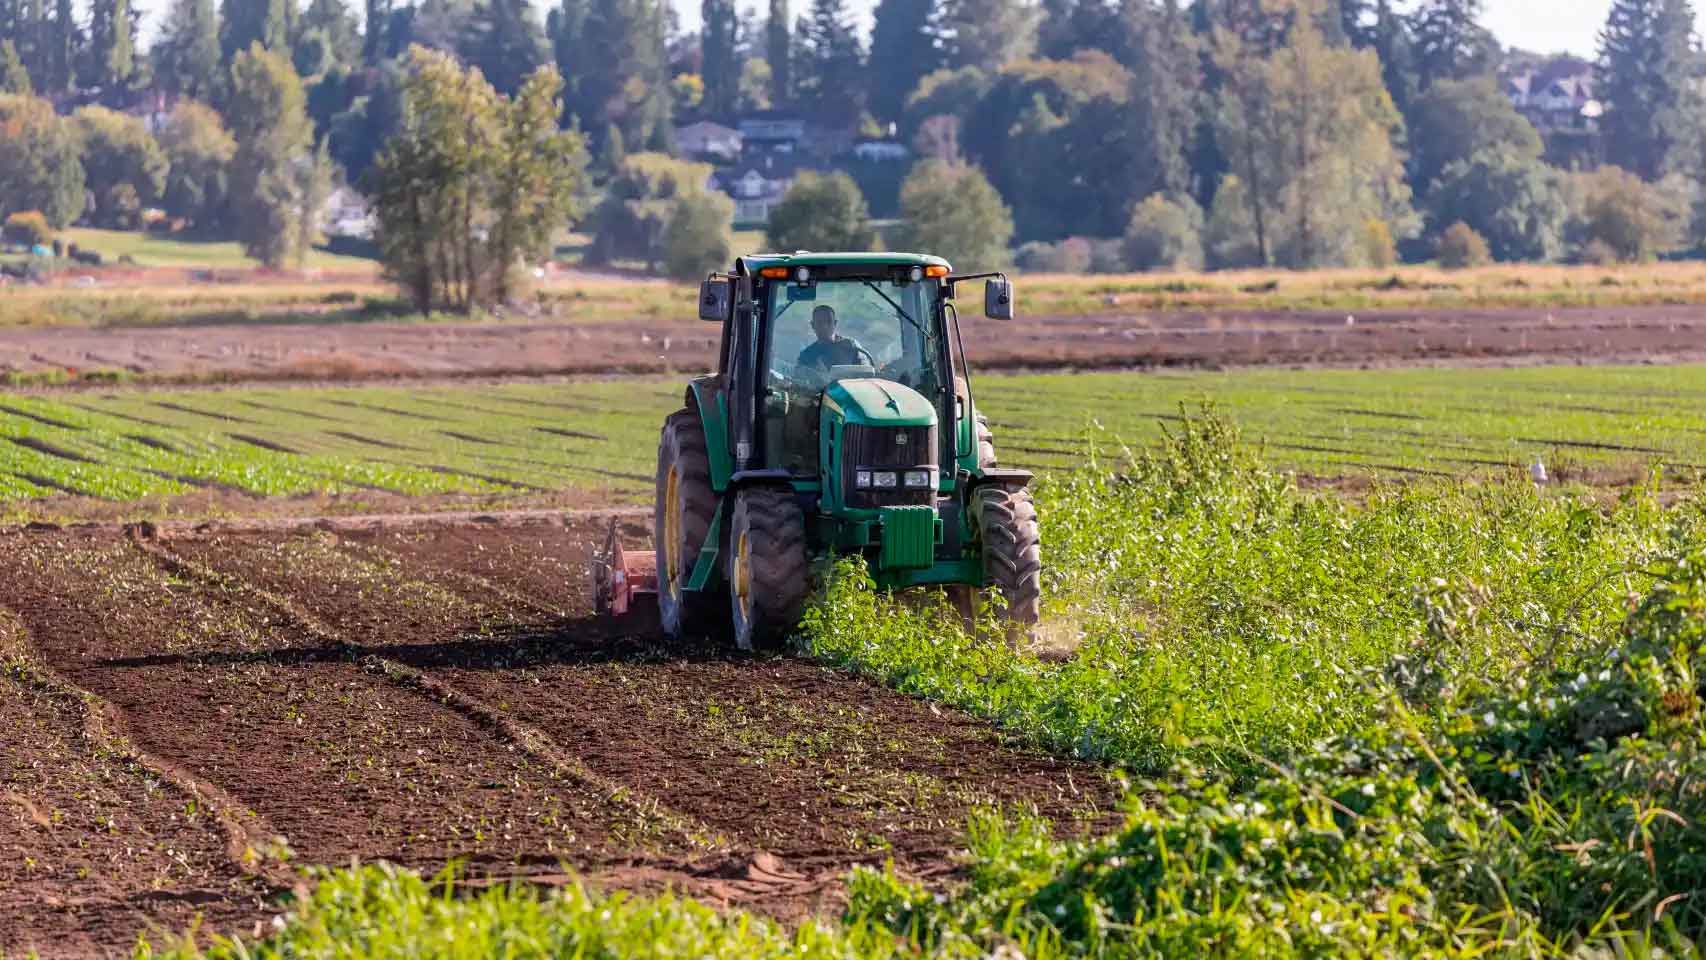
654 345
192 715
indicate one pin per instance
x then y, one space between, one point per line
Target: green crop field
599 436
1445 720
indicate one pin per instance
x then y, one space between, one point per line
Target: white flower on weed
278 922
1581 680
1489 719
1604 675
1368 789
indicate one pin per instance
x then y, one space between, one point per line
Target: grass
164 299
514 440
1443 720
154 250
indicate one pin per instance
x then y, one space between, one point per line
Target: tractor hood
878 403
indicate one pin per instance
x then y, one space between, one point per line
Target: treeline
250 171
1115 133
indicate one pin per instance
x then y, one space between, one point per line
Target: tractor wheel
768 569
985 443
1012 559
682 519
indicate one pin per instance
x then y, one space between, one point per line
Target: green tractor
840 420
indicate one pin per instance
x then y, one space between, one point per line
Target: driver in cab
830 350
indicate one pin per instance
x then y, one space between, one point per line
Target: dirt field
192 713
358 351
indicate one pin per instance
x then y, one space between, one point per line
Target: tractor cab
840 420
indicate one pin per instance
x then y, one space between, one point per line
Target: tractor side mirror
998 299
714 300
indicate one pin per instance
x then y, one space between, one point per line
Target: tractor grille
888 448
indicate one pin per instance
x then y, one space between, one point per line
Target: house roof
705 128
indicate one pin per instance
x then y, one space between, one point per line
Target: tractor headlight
885 479
916 479
862 479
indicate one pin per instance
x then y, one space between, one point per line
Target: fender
705 395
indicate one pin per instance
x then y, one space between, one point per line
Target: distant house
880 151
1559 102
772 130
757 184
347 214
708 141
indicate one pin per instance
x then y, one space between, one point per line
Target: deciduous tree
821 213
952 211
1457 119
266 110
1509 198
631 222
14 79
198 152
699 238
122 163
472 182
40 161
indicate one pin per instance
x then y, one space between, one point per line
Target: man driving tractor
829 350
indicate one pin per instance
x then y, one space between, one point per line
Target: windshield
839 330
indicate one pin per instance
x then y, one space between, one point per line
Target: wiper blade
897 309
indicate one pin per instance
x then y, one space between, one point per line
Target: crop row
597 436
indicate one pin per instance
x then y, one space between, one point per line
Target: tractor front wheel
1012 557
682 519
768 568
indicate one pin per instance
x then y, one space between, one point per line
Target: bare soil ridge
426 691
297 352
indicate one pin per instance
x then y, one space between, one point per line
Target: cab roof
754 261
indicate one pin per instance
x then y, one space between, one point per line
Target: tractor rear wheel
1012 557
768 569
985 443
682 519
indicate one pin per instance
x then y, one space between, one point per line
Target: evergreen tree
624 80
988 34
1450 42
1647 75
720 59
505 43
13 77
373 31
112 49
566 28
186 57
903 52
833 69
63 41
779 53
246 22
331 24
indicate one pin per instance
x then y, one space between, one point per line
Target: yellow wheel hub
743 576
672 527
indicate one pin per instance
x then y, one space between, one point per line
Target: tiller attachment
621 576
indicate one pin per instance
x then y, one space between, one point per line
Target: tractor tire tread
683 441
1012 550
780 561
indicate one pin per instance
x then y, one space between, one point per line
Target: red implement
620 576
